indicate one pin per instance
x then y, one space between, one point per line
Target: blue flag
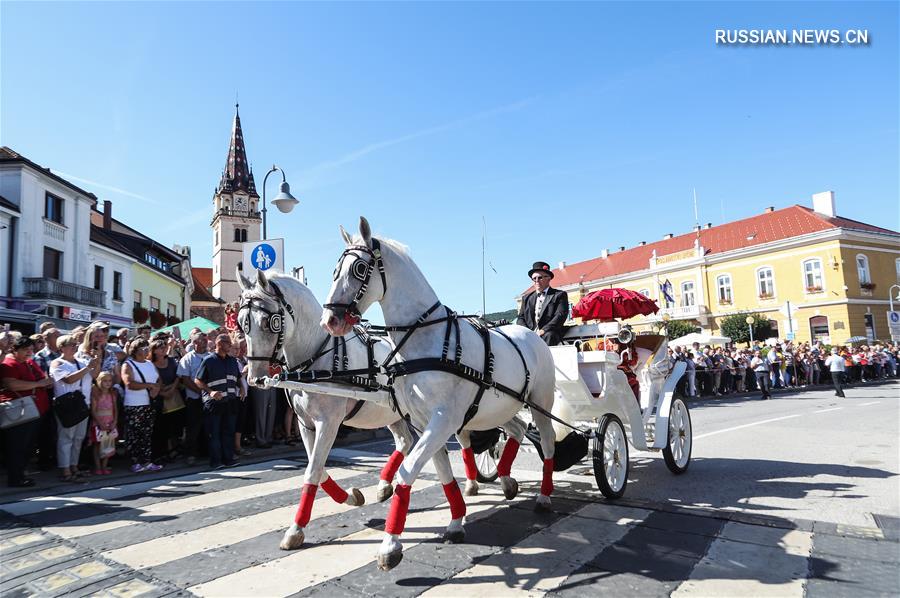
667 292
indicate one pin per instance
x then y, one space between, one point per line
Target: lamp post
665 319
750 320
284 201
890 298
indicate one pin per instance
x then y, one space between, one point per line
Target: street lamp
284 201
750 320
665 319
891 299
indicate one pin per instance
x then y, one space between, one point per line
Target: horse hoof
510 487
292 540
542 505
386 562
454 537
356 498
471 488
384 492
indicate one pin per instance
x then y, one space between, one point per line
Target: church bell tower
236 217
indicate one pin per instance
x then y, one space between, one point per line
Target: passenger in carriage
629 360
545 309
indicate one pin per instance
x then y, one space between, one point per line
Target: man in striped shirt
219 379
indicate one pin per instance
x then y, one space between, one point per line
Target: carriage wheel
677 453
486 462
610 452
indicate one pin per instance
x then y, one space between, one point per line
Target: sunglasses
537 278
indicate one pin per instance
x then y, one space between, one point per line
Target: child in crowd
103 420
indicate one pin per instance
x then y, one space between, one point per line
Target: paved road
792 497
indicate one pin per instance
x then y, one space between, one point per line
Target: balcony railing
50 288
54 230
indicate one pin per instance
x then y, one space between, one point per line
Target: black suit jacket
553 316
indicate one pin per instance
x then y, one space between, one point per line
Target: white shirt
835 363
188 366
60 368
140 398
538 305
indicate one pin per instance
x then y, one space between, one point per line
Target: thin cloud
189 219
374 147
106 187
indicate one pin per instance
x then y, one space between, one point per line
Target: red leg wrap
396 520
454 497
334 491
307 497
390 468
547 481
468 456
509 454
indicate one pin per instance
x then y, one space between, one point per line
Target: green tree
679 328
735 326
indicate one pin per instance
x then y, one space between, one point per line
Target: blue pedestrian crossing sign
264 255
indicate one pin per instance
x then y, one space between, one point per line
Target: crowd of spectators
148 400
717 371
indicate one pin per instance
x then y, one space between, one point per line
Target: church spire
237 175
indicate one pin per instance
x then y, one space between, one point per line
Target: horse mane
400 248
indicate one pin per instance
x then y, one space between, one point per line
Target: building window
170 310
117 286
818 328
138 298
723 284
216 241
812 275
687 293
862 268
53 208
240 235
157 262
897 268
645 293
765 283
154 303
52 263
98 278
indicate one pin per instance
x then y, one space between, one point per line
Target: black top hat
542 267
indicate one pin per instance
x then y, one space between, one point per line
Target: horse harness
363 378
361 270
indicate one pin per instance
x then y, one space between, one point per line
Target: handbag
107 441
172 402
18 411
71 408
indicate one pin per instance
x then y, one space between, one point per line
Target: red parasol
607 304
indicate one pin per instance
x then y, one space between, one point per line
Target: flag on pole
667 293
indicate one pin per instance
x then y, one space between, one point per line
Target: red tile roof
764 228
202 285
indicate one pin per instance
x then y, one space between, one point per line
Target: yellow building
830 274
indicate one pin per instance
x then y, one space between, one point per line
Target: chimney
642 243
823 203
708 225
604 254
622 248
562 265
107 214
696 228
769 209
668 236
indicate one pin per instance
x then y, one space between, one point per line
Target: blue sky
568 127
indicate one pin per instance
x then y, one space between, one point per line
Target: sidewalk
47 483
780 391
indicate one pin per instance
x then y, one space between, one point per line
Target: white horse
373 270
263 307
288 305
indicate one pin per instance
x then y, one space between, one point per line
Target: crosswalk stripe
40 504
181 506
170 548
319 563
544 559
751 560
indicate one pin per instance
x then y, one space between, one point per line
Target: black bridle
274 322
361 270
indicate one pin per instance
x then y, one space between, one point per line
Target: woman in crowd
169 426
140 379
21 377
244 414
71 375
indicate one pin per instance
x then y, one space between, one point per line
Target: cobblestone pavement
217 533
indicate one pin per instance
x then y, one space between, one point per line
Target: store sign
79 315
676 257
